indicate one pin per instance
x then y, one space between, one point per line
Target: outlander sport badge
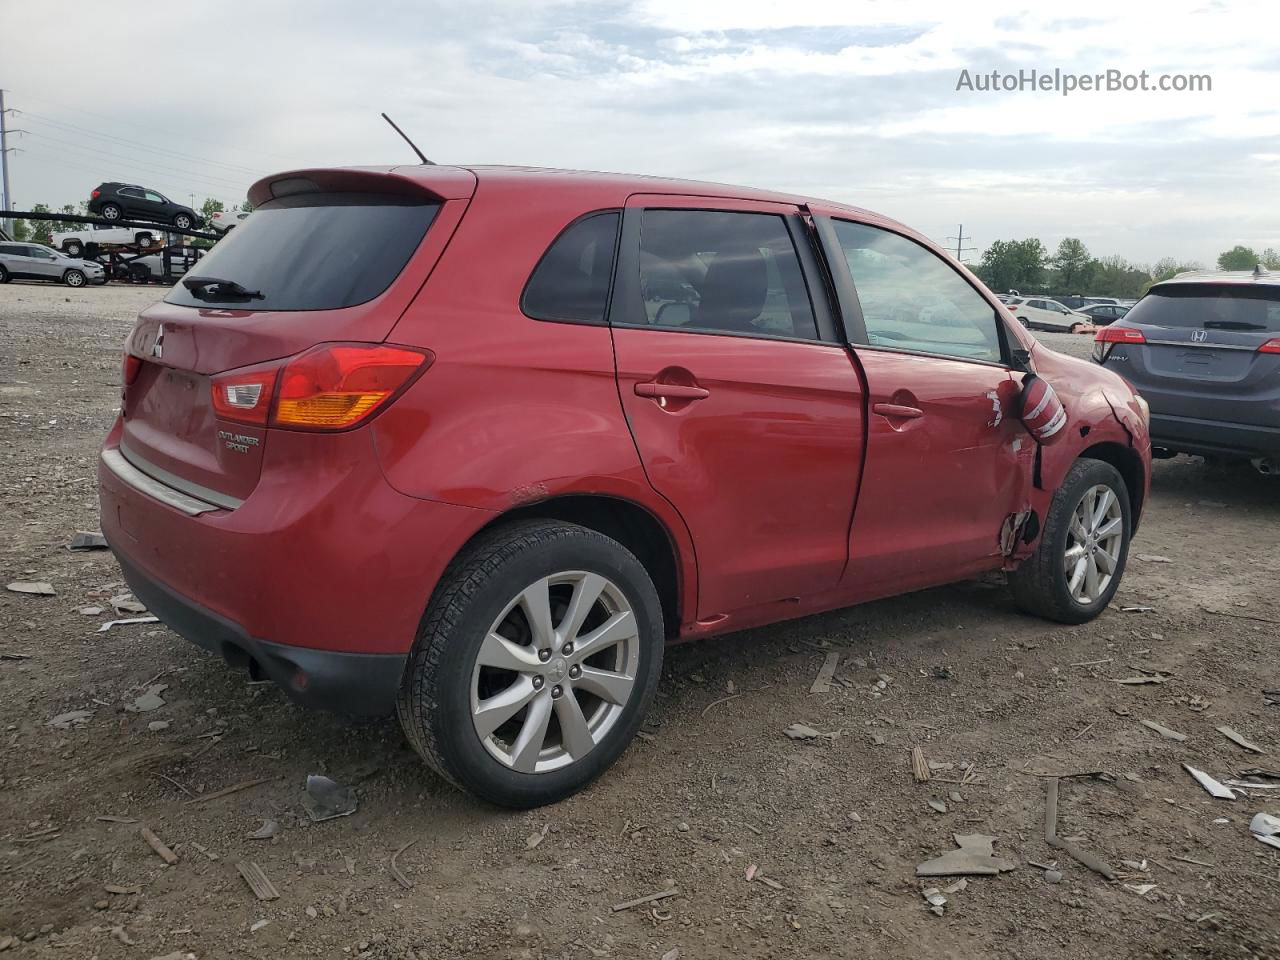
157 348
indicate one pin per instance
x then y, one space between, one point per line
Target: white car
1037 313
74 242
223 221
151 267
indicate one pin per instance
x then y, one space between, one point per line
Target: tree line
42 231
1028 267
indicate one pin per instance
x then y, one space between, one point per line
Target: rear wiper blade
213 288
1233 325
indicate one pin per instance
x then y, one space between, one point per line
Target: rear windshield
1210 305
314 252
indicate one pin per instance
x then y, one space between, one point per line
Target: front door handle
673 391
897 411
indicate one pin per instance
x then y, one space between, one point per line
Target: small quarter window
571 281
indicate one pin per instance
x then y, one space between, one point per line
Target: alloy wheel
1094 541
555 671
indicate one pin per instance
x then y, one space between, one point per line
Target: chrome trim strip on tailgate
135 478
1202 345
178 483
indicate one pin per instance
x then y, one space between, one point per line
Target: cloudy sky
854 101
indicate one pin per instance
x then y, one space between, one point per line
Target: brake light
336 386
1271 346
95 195
132 366
244 396
1115 334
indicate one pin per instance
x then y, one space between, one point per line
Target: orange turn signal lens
335 386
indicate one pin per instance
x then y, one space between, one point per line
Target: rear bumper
357 684
1213 437
320 576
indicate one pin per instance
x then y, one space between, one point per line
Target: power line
156 167
174 189
960 248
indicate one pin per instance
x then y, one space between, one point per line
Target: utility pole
4 165
961 249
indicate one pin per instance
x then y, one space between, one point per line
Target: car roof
1224 277
434 176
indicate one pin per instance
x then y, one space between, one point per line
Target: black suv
128 201
1203 349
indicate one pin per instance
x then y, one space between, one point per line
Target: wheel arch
634 526
1130 467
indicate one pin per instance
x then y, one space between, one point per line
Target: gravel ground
832 829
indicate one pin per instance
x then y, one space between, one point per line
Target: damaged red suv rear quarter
475 443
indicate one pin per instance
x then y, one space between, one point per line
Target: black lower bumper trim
355 684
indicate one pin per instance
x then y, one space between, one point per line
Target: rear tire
4 275
182 221
72 248
1043 584
111 211
74 278
1025 323
458 670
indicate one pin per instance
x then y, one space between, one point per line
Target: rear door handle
897 411
674 391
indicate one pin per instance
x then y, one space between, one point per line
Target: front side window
914 300
723 272
571 281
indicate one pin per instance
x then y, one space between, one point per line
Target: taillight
1106 338
132 365
244 396
95 195
1115 334
1271 346
336 386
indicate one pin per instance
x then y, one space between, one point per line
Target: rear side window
1210 306
315 251
723 272
571 281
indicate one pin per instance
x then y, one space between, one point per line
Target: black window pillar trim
626 307
814 281
847 303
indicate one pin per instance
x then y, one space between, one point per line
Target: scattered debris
126 603
156 844
1239 740
822 684
937 902
1163 730
88 541
1052 876
1136 609
1238 616
714 703
115 888
751 872
919 768
151 700
327 799
1070 849
975 858
89 611
209 854
262 888
1152 558
226 791
35 589
126 622
1266 828
1210 784
938 806
155 726
268 830
641 901
395 869
1141 889
258 925
116 820
1198 863
76 718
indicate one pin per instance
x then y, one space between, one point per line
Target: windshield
1210 306
312 252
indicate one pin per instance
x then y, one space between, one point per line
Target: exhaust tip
1265 466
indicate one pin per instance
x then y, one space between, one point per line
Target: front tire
536 662
4 275
74 278
1076 568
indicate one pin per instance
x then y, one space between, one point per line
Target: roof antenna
421 155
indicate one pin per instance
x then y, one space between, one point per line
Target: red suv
475 443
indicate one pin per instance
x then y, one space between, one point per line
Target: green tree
41 230
210 207
1271 259
1238 257
1074 265
21 230
247 207
1013 264
1117 277
63 226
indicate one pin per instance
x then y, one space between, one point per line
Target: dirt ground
712 790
